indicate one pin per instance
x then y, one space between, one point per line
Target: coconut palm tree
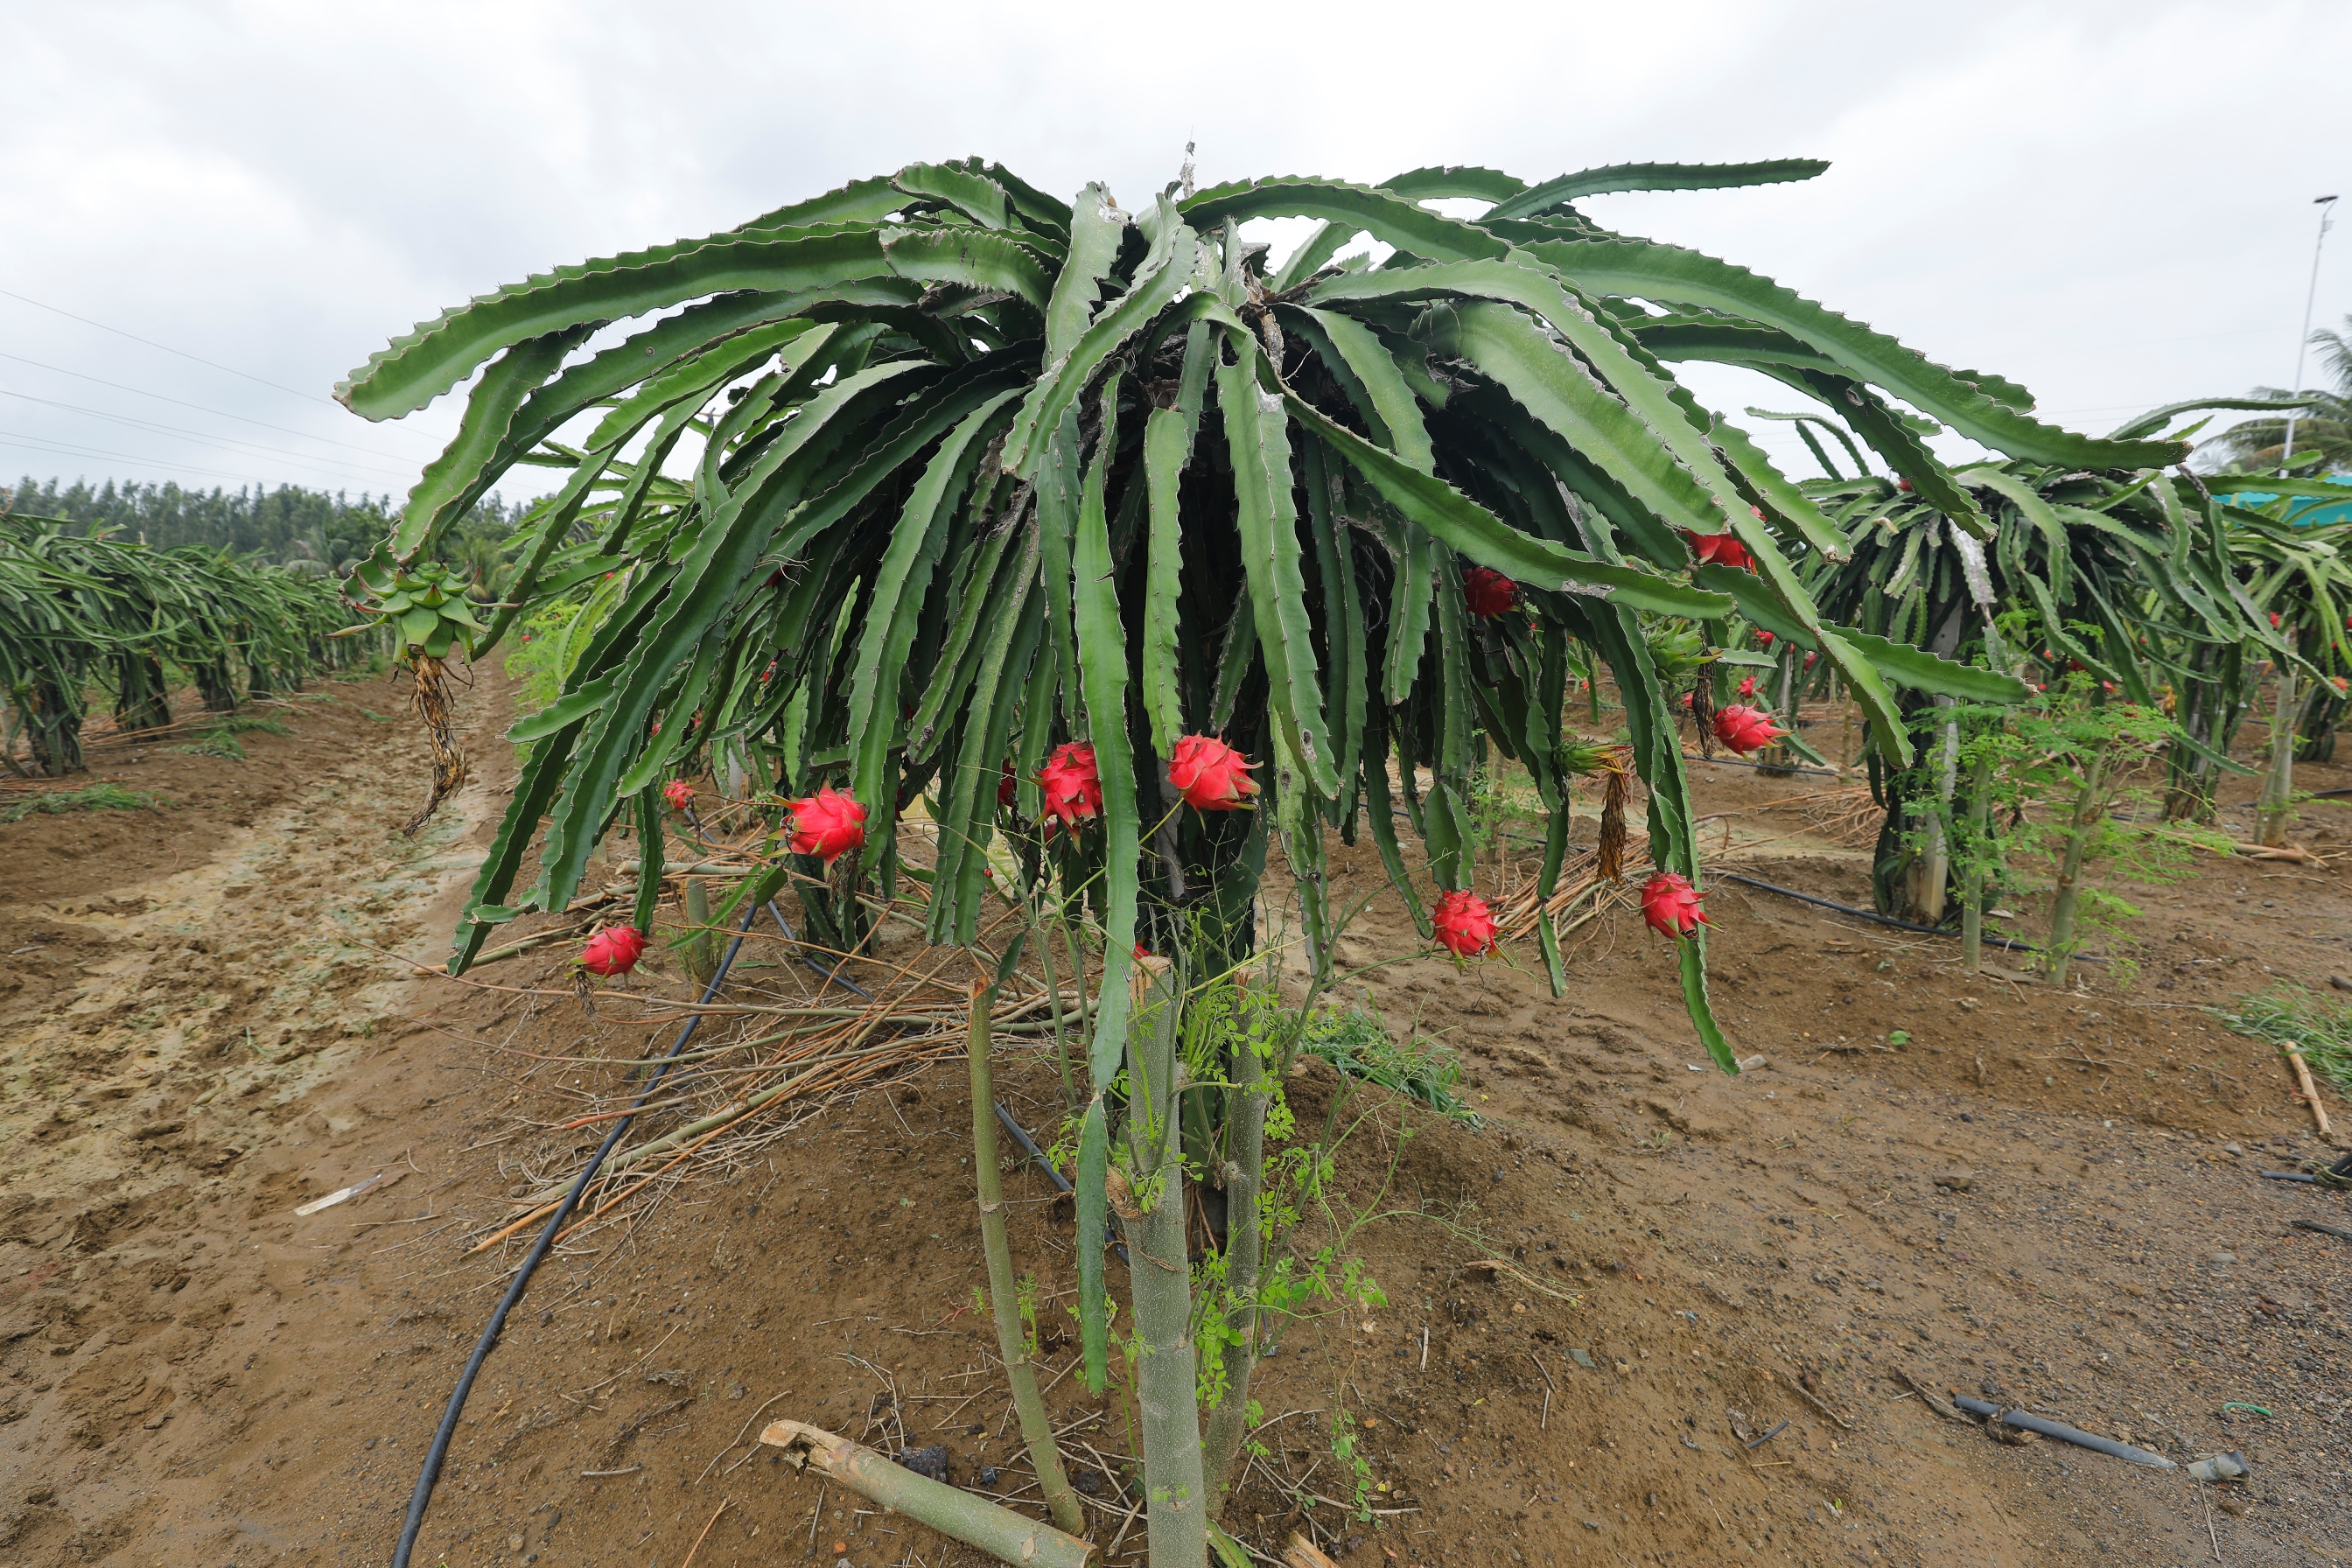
2322 431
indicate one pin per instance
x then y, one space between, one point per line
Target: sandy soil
2035 1193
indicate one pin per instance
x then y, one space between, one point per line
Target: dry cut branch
1007 1536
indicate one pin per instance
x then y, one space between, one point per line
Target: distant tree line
284 525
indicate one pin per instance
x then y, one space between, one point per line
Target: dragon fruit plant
979 476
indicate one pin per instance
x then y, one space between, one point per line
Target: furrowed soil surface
1587 1302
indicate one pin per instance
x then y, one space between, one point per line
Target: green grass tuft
96 797
219 738
1359 1044
2291 1012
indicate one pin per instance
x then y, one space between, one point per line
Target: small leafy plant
2064 782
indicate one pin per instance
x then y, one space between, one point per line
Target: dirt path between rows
2034 1197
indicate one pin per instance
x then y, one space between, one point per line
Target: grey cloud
2107 201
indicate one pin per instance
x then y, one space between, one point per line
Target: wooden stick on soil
1004 1534
699 1540
1810 1397
1036 1426
2304 1087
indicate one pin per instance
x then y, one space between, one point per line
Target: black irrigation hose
703 843
1775 767
431 1475
1029 1145
833 973
1052 1175
1877 918
2025 1422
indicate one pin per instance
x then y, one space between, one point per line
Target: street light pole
2327 206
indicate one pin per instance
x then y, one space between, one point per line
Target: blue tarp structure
2307 510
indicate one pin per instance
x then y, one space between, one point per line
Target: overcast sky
2111 203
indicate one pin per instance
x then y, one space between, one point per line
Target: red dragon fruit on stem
826 824
1720 550
1073 784
1671 905
679 793
613 950
1746 728
1464 926
1488 592
1210 774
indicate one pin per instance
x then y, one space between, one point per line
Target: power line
199 408
225 443
31 445
134 336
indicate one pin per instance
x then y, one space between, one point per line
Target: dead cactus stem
1702 710
1614 794
428 699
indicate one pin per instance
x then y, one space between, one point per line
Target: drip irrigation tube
1877 919
431 1474
1772 767
1029 1145
833 973
2065 1434
702 842
1052 1175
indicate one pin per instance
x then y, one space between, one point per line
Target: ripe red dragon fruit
679 793
1747 686
1072 783
1764 638
826 824
1488 593
1210 774
1671 905
1746 728
1006 788
1720 550
613 950
1463 924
